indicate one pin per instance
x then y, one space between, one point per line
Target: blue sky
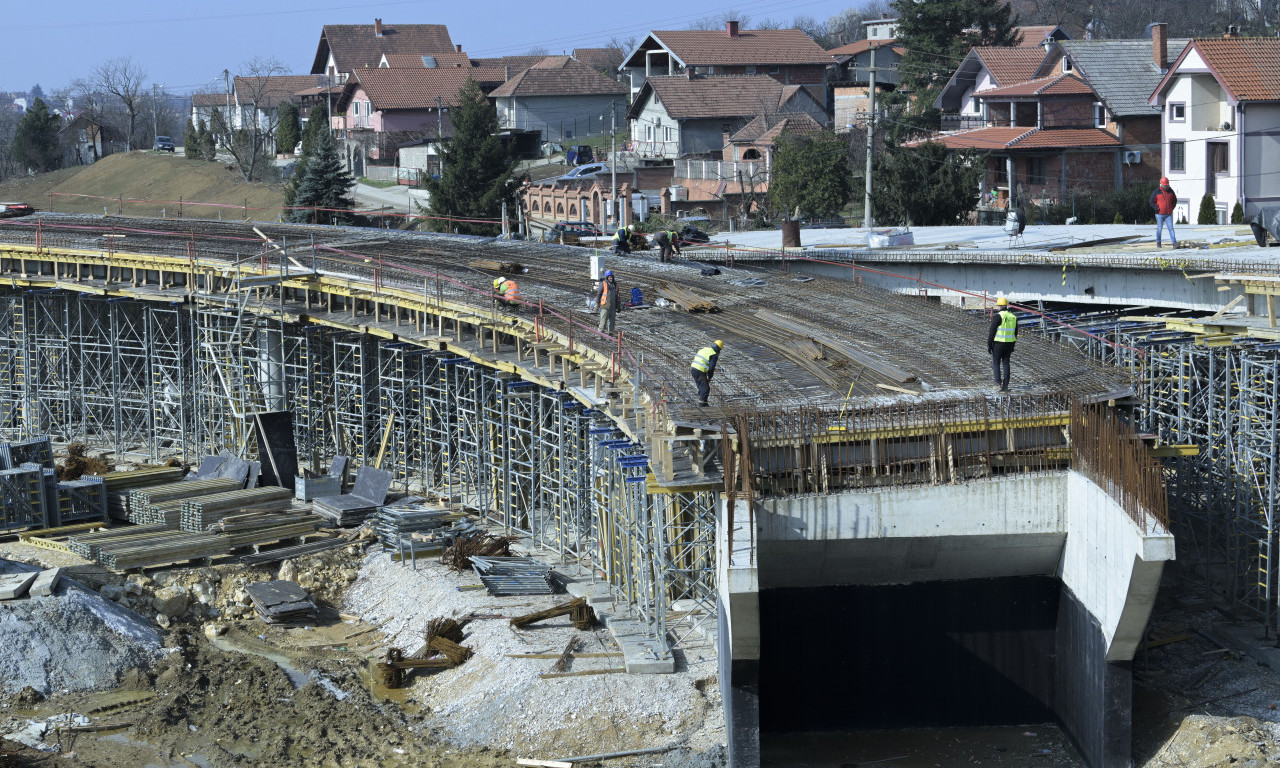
186 46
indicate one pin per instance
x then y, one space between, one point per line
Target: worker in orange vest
608 302
508 292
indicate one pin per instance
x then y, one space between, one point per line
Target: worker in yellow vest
608 302
1001 337
704 367
508 292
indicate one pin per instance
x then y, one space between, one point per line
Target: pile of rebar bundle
465 548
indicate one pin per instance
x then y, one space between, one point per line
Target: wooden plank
583 673
46 582
543 763
897 389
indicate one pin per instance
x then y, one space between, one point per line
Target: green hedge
1127 206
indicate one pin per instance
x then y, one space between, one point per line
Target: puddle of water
398 696
295 675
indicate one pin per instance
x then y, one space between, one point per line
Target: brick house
1220 115
562 99
1076 124
787 55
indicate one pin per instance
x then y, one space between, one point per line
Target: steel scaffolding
168 379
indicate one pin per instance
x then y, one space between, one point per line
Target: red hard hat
1164 181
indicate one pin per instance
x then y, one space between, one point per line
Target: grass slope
160 179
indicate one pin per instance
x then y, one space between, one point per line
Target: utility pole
155 131
868 221
613 163
440 134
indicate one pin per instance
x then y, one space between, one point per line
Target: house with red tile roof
382 107
1220 114
787 55
1058 121
850 78
679 116
561 99
345 48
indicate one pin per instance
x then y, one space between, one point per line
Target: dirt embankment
151 184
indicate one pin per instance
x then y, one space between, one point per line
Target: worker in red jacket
1164 200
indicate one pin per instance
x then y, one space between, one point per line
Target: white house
1221 124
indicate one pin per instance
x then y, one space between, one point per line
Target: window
751 69
1217 156
1177 156
1099 115
777 70
1177 112
667 136
648 133
1067 65
1035 170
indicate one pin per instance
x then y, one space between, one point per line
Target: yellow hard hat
1002 302
497 282
719 344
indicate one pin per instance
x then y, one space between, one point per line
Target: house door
1215 165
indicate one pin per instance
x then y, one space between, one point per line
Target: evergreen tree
36 92
288 128
939 33
316 128
1237 214
191 141
1208 211
926 185
208 148
476 174
811 173
35 141
325 183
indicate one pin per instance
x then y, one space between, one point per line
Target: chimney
377 27
457 48
732 28
506 73
1232 31
1160 45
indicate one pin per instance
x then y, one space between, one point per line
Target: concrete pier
990 601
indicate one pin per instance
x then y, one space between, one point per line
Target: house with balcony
1220 114
1075 125
850 78
560 99
787 55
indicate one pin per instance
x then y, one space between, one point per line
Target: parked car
571 229
583 154
585 171
163 144
13 210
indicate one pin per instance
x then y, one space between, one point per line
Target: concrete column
738 636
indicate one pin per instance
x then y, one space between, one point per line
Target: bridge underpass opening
952 653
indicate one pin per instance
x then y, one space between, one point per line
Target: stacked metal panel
80 501
504 576
22 499
38 451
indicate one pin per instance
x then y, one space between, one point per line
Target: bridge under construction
1006 549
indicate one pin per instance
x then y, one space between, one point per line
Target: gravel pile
499 702
74 640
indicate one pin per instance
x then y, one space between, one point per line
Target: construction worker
608 302
1001 337
508 292
667 241
622 240
704 367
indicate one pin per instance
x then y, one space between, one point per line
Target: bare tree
718 21
249 132
122 79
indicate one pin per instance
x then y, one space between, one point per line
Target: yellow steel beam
1169 451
